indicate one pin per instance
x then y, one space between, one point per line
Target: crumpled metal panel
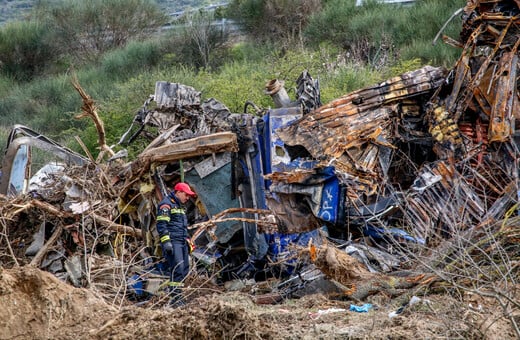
16 160
502 122
318 188
325 128
180 106
293 214
485 74
440 199
352 130
170 96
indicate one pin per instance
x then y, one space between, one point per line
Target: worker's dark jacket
172 220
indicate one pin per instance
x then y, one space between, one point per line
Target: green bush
438 55
235 84
279 21
86 30
346 79
332 23
4 134
49 105
403 66
16 105
196 41
53 105
135 57
25 50
249 13
122 79
379 34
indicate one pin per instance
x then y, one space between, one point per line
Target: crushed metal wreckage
302 192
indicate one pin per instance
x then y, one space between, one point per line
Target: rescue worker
172 226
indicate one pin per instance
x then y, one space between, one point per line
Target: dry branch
43 251
90 110
360 282
5 235
110 225
217 218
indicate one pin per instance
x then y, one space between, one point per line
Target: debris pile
405 186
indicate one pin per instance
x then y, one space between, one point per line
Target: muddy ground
37 305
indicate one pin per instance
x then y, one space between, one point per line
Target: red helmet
184 188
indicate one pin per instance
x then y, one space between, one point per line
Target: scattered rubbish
414 300
316 316
395 313
74 269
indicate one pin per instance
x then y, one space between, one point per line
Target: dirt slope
36 305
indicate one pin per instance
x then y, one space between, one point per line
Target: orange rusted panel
502 120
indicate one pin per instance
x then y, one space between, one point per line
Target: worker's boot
177 300
176 297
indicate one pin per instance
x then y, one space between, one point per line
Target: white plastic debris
321 312
79 207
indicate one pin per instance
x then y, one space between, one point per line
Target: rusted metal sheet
331 122
353 130
440 199
486 82
451 124
502 122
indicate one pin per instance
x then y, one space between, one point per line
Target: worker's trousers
178 262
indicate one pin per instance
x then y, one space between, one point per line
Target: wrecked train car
229 181
19 165
438 149
299 190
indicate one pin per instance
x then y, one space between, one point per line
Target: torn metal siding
455 127
16 163
485 75
418 158
304 199
442 197
352 132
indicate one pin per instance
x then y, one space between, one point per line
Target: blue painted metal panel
277 159
272 147
329 201
18 171
396 233
279 246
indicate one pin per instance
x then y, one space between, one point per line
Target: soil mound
37 305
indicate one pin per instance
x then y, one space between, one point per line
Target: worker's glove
191 245
167 245
167 248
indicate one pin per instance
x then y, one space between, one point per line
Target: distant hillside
14 9
11 10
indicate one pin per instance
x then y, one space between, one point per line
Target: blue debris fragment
396 233
361 309
136 285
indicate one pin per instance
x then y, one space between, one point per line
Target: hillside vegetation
13 10
118 67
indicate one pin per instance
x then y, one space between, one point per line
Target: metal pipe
275 89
